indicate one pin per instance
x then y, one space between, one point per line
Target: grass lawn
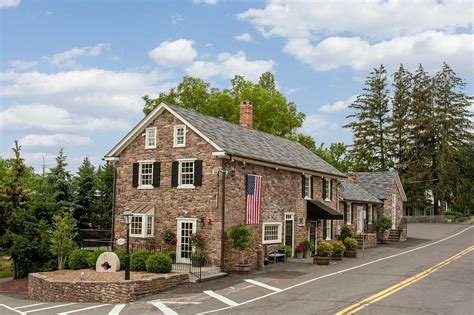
5 268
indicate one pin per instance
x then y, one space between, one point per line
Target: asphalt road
405 269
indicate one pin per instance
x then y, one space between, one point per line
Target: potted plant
198 259
383 226
309 247
241 236
285 249
351 247
300 250
338 250
323 253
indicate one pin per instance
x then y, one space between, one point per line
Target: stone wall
42 289
387 205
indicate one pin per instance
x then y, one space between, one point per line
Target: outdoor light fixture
127 218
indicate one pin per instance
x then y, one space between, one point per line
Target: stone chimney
351 177
246 114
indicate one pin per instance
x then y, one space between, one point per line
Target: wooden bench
273 255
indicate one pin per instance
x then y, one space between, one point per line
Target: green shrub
138 260
383 224
159 262
351 243
199 255
121 255
308 244
78 259
345 232
286 249
92 259
338 247
324 249
171 253
240 236
456 214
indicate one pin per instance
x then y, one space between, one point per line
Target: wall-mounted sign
121 241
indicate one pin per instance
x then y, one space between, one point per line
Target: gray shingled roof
353 192
253 144
376 183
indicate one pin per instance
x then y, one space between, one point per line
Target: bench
273 255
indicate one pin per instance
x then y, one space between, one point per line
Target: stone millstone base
43 287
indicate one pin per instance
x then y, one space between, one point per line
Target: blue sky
73 72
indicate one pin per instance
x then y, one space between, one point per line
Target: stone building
186 172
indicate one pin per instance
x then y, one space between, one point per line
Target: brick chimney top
351 177
246 114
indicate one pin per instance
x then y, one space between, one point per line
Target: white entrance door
184 249
360 219
394 211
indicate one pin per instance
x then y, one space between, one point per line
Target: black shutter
174 173
323 181
330 189
302 186
345 212
197 173
136 167
311 187
156 174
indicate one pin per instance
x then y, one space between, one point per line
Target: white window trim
328 192
185 186
349 213
175 136
146 138
307 196
328 227
144 216
141 162
280 231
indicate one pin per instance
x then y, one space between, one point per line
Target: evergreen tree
84 195
102 215
60 181
451 132
370 128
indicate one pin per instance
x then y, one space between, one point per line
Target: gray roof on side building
236 140
353 192
376 183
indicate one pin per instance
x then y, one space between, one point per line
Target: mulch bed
14 286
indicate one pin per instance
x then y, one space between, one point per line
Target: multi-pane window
349 214
328 230
271 232
327 188
150 138
136 226
149 225
141 225
186 173
179 139
307 187
146 174
369 209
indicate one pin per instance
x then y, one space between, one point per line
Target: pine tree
370 128
60 181
102 215
84 195
451 133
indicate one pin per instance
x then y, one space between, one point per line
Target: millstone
107 262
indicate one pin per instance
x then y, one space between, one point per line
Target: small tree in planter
300 250
351 247
383 226
345 232
198 257
241 236
324 251
309 247
338 250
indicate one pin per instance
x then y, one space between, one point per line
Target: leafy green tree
336 155
370 126
84 195
101 216
62 235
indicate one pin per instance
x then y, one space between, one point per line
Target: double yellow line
397 287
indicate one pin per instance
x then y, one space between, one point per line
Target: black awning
317 210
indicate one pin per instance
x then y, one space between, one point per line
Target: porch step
207 273
394 236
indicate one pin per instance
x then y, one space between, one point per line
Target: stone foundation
40 288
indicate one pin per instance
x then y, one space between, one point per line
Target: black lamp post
127 218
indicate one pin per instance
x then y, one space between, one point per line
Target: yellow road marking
397 287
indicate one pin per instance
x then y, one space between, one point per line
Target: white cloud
48 117
9 3
66 58
228 65
245 37
171 54
338 106
22 64
318 126
54 140
176 19
211 2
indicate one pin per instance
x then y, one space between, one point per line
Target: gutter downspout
222 173
112 236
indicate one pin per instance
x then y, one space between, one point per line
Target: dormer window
179 138
150 138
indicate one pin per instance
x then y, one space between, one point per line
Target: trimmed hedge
78 259
121 255
92 259
138 260
159 262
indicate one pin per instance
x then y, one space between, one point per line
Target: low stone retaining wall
40 288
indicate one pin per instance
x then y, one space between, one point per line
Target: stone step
206 277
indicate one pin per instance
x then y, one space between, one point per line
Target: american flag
253 193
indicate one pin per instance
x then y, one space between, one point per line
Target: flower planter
350 253
307 254
243 268
299 255
337 256
198 262
319 260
